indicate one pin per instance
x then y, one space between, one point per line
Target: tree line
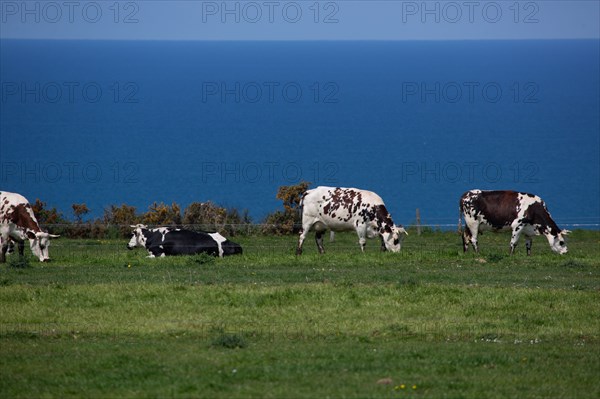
207 216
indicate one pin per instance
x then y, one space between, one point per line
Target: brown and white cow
523 213
18 223
342 209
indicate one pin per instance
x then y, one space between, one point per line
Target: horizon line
299 40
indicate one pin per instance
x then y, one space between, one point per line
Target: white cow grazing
18 222
343 209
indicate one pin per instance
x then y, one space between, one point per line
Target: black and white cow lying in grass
167 241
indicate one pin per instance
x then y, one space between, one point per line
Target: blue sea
113 122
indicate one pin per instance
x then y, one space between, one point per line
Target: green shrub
121 218
289 220
162 215
209 216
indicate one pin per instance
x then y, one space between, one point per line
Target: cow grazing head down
557 241
39 243
393 241
346 209
523 213
18 222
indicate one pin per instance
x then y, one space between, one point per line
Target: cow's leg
301 239
466 238
470 233
383 248
475 244
11 247
528 242
155 251
3 246
21 247
363 242
319 240
3 252
306 226
473 239
361 231
516 234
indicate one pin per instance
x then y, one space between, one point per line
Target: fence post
418 222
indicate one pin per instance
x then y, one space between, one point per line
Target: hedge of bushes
206 216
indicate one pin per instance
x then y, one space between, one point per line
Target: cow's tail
299 208
459 228
298 219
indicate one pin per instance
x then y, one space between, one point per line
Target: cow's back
342 208
8 199
186 242
498 208
313 201
14 208
524 213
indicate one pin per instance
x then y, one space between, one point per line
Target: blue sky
300 20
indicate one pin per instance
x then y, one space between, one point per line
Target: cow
522 213
17 222
167 241
342 209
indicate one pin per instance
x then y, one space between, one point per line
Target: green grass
103 321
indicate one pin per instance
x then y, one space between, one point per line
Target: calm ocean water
112 122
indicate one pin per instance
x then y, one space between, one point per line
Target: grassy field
101 321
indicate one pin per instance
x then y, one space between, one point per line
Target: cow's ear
31 235
565 232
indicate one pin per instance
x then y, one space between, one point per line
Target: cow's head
39 243
393 240
557 242
138 239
